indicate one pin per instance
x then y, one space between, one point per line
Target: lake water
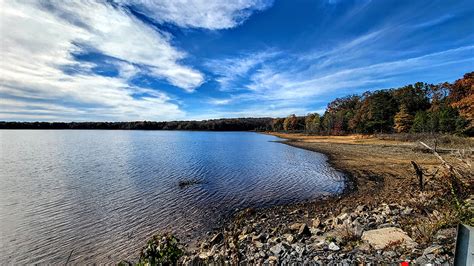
102 194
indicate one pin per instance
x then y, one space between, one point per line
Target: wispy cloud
207 14
229 71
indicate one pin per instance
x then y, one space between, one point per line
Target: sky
164 60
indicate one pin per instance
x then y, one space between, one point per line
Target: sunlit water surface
101 194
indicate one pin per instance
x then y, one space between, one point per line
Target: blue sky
121 60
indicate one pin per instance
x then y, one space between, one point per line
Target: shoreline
380 182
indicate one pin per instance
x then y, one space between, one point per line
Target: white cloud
220 101
36 44
230 70
116 33
208 14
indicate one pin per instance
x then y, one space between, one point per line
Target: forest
415 108
230 124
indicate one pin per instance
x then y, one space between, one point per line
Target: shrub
161 250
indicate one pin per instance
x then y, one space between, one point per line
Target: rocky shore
382 218
361 235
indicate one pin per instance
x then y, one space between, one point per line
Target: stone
272 258
390 254
381 238
445 234
299 248
304 231
277 249
289 238
295 226
357 229
204 255
243 237
385 225
258 244
361 208
332 246
343 217
435 249
216 239
316 222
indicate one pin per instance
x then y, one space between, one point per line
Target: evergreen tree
421 122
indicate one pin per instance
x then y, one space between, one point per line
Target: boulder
381 238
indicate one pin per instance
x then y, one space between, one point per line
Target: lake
101 194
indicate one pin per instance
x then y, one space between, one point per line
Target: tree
413 97
403 120
376 112
312 123
421 122
277 124
290 123
461 97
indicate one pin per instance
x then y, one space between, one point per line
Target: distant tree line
231 124
416 108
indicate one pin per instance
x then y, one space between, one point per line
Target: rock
407 211
258 244
243 237
357 229
332 246
277 249
316 223
381 238
343 217
445 234
361 208
390 254
216 239
304 231
289 238
315 231
299 248
295 226
385 225
272 258
435 249
204 255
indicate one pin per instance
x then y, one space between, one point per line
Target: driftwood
419 173
69 257
454 176
446 165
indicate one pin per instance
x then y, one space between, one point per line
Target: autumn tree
403 120
277 124
312 123
290 123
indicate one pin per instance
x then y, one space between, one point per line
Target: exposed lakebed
102 194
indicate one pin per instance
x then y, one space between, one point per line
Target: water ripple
102 194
